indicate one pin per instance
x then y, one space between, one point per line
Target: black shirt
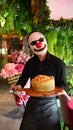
51 66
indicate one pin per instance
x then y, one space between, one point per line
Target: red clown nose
39 44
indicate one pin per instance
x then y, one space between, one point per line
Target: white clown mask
37 43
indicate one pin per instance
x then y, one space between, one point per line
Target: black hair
31 33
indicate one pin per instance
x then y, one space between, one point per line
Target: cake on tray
43 83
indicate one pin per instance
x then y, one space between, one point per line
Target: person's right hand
15 88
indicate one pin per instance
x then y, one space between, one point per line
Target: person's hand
64 93
15 88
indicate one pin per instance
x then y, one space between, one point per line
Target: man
41 112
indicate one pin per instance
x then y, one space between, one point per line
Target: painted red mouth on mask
40 49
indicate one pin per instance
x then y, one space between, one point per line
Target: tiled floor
10 117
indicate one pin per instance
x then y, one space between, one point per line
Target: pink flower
11 69
15 68
21 98
18 57
3 74
19 68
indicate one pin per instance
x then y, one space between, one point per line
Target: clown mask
37 43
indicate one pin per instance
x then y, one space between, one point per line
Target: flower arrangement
21 98
19 57
17 65
11 69
12 72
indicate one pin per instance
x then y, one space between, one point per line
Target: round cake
43 83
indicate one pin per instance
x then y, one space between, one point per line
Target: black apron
41 113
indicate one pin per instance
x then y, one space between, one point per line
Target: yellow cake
43 83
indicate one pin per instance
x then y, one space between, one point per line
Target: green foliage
43 20
69 79
60 39
22 17
51 37
25 16
9 25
